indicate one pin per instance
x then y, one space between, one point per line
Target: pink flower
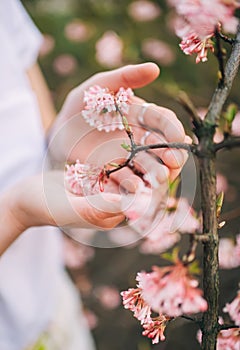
229 253
102 107
198 20
228 339
234 309
83 179
91 318
222 183
159 51
109 50
184 218
64 64
179 218
192 44
201 16
47 45
236 125
154 329
108 296
143 10
171 290
77 31
76 254
133 301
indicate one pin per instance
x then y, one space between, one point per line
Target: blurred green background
83 37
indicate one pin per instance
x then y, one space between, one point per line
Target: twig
136 149
185 101
230 142
219 55
225 38
228 326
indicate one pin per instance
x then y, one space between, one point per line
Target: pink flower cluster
84 179
229 253
104 109
229 339
198 20
169 291
153 326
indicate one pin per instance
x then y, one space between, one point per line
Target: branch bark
221 93
207 166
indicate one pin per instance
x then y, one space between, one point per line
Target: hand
74 139
43 200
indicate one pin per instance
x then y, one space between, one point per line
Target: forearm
10 225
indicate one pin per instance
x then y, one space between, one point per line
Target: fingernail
177 156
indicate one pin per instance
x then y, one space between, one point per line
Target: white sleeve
25 35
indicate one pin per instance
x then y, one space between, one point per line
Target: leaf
125 124
194 268
126 147
219 203
171 256
173 187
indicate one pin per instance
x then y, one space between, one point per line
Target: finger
155 172
133 76
126 180
162 119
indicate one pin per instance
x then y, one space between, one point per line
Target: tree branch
229 142
136 149
221 93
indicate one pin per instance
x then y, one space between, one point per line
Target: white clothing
30 268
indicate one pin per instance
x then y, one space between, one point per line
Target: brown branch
136 149
221 93
227 326
229 142
219 55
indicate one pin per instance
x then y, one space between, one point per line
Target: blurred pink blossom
65 64
229 253
222 183
143 10
198 21
76 254
108 296
102 107
47 45
228 339
159 51
171 290
236 125
109 50
200 15
77 31
233 309
91 318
